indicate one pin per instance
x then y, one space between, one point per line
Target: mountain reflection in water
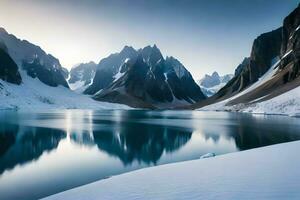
75 147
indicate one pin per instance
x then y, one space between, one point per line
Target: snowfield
287 103
265 173
32 94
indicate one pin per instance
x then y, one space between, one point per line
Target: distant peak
215 74
3 30
91 63
127 48
155 47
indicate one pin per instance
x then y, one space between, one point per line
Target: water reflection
255 131
20 145
80 146
139 142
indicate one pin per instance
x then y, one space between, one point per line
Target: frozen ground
33 94
265 173
287 104
284 104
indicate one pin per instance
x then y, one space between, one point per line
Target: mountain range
32 79
81 76
144 78
211 84
272 69
140 78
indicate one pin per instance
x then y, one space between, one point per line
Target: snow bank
265 173
285 104
33 94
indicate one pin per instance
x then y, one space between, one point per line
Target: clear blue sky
205 35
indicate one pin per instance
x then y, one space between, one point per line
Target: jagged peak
84 64
3 30
127 48
215 74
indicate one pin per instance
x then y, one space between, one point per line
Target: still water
42 153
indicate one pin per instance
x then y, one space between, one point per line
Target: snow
33 94
208 155
266 77
285 104
211 84
212 90
265 173
294 32
166 77
78 86
285 55
120 74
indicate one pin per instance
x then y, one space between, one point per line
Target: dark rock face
265 48
50 77
291 42
108 67
19 148
242 66
148 80
148 147
65 73
8 68
33 59
83 72
281 45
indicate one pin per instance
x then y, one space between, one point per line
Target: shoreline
225 176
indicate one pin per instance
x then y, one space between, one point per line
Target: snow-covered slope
211 84
33 94
81 76
38 82
286 104
265 173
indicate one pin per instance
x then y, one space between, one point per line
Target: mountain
211 84
8 68
33 79
272 69
34 60
108 68
81 76
144 78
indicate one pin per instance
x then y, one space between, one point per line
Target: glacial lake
42 153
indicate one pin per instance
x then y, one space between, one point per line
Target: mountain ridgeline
144 78
81 76
139 78
31 59
273 67
211 84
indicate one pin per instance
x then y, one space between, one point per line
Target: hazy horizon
204 35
